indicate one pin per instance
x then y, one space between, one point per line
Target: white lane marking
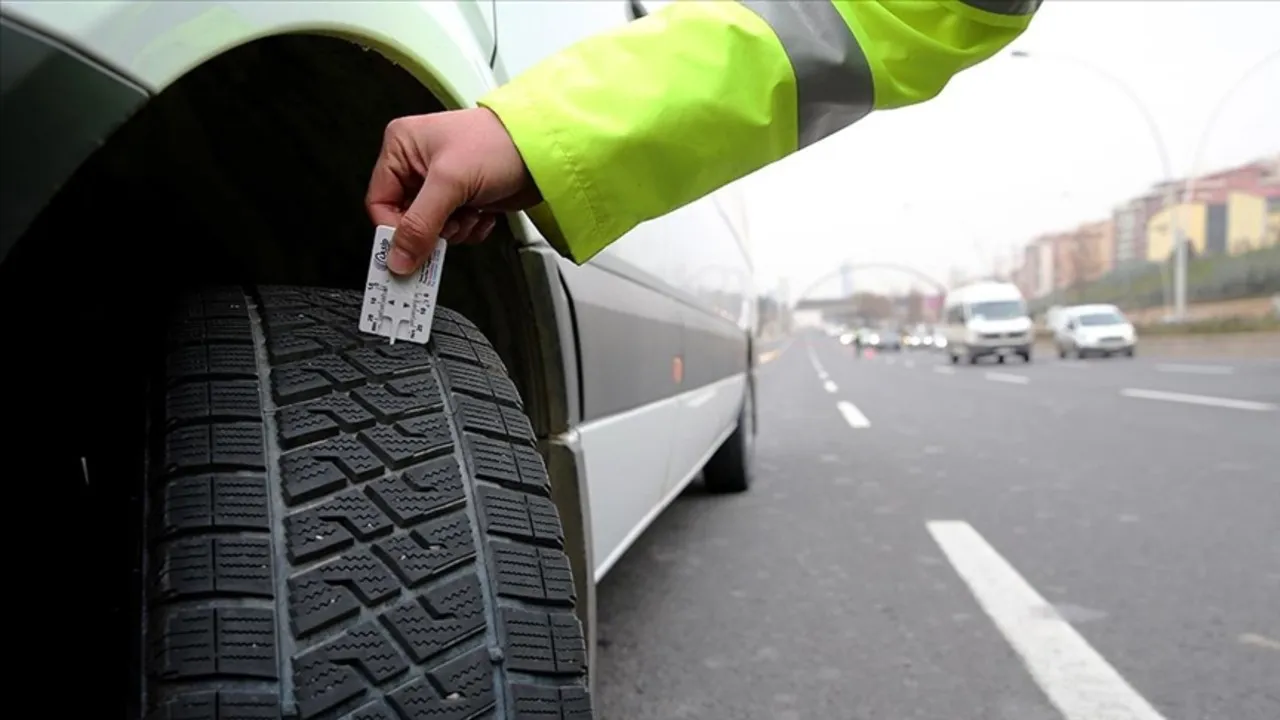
1008 378
829 386
1078 681
853 415
944 369
813 360
1195 369
1231 403
1261 641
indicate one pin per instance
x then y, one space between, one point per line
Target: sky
1011 148
1016 147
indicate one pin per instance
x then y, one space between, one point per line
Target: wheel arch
249 167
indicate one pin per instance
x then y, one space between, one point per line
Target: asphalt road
1071 540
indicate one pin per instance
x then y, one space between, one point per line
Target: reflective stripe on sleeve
834 86
1005 7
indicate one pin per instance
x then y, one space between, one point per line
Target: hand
443 175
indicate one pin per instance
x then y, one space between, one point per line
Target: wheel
1062 353
1130 351
1026 356
341 527
954 358
1000 359
731 468
973 359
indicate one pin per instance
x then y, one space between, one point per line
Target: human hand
443 175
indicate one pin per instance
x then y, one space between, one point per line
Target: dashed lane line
853 415
1079 682
1205 400
829 386
813 360
1195 369
1008 378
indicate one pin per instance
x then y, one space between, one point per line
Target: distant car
1094 330
921 336
890 339
868 337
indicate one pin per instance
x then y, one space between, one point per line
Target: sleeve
631 124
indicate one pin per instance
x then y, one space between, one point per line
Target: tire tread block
374 542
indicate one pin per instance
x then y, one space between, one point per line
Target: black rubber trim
58 107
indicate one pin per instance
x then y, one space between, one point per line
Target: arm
632 124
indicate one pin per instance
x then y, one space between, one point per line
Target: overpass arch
842 267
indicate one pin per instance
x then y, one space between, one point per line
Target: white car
303 521
987 319
1094 330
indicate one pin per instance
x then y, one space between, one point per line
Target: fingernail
400 261
450 228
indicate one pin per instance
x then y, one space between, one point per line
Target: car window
1099 318
997 310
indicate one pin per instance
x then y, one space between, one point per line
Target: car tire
342 527
731 468
971 358
1026 356
1129 352
954 358
1062 353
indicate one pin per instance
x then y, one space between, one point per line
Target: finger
415 236
467 220
482 230
385 197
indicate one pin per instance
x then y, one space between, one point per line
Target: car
1094 330
276 514
890 338
920 336
987 319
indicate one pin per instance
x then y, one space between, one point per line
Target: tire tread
382 547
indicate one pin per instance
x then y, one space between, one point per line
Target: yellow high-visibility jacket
631 124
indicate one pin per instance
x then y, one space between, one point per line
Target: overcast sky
1015 147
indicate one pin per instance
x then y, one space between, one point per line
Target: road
1064 540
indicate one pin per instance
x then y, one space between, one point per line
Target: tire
1026 357
954 358
971 358
1130 352
1062 353
341 527
731 467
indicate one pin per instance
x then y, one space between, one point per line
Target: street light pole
1188 192
1166 167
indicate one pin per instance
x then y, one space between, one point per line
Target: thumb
419 228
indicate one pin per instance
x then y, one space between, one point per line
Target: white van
988 318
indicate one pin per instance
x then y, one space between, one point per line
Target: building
1026 277
1095 250
1226 212
1129 221
1045 269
